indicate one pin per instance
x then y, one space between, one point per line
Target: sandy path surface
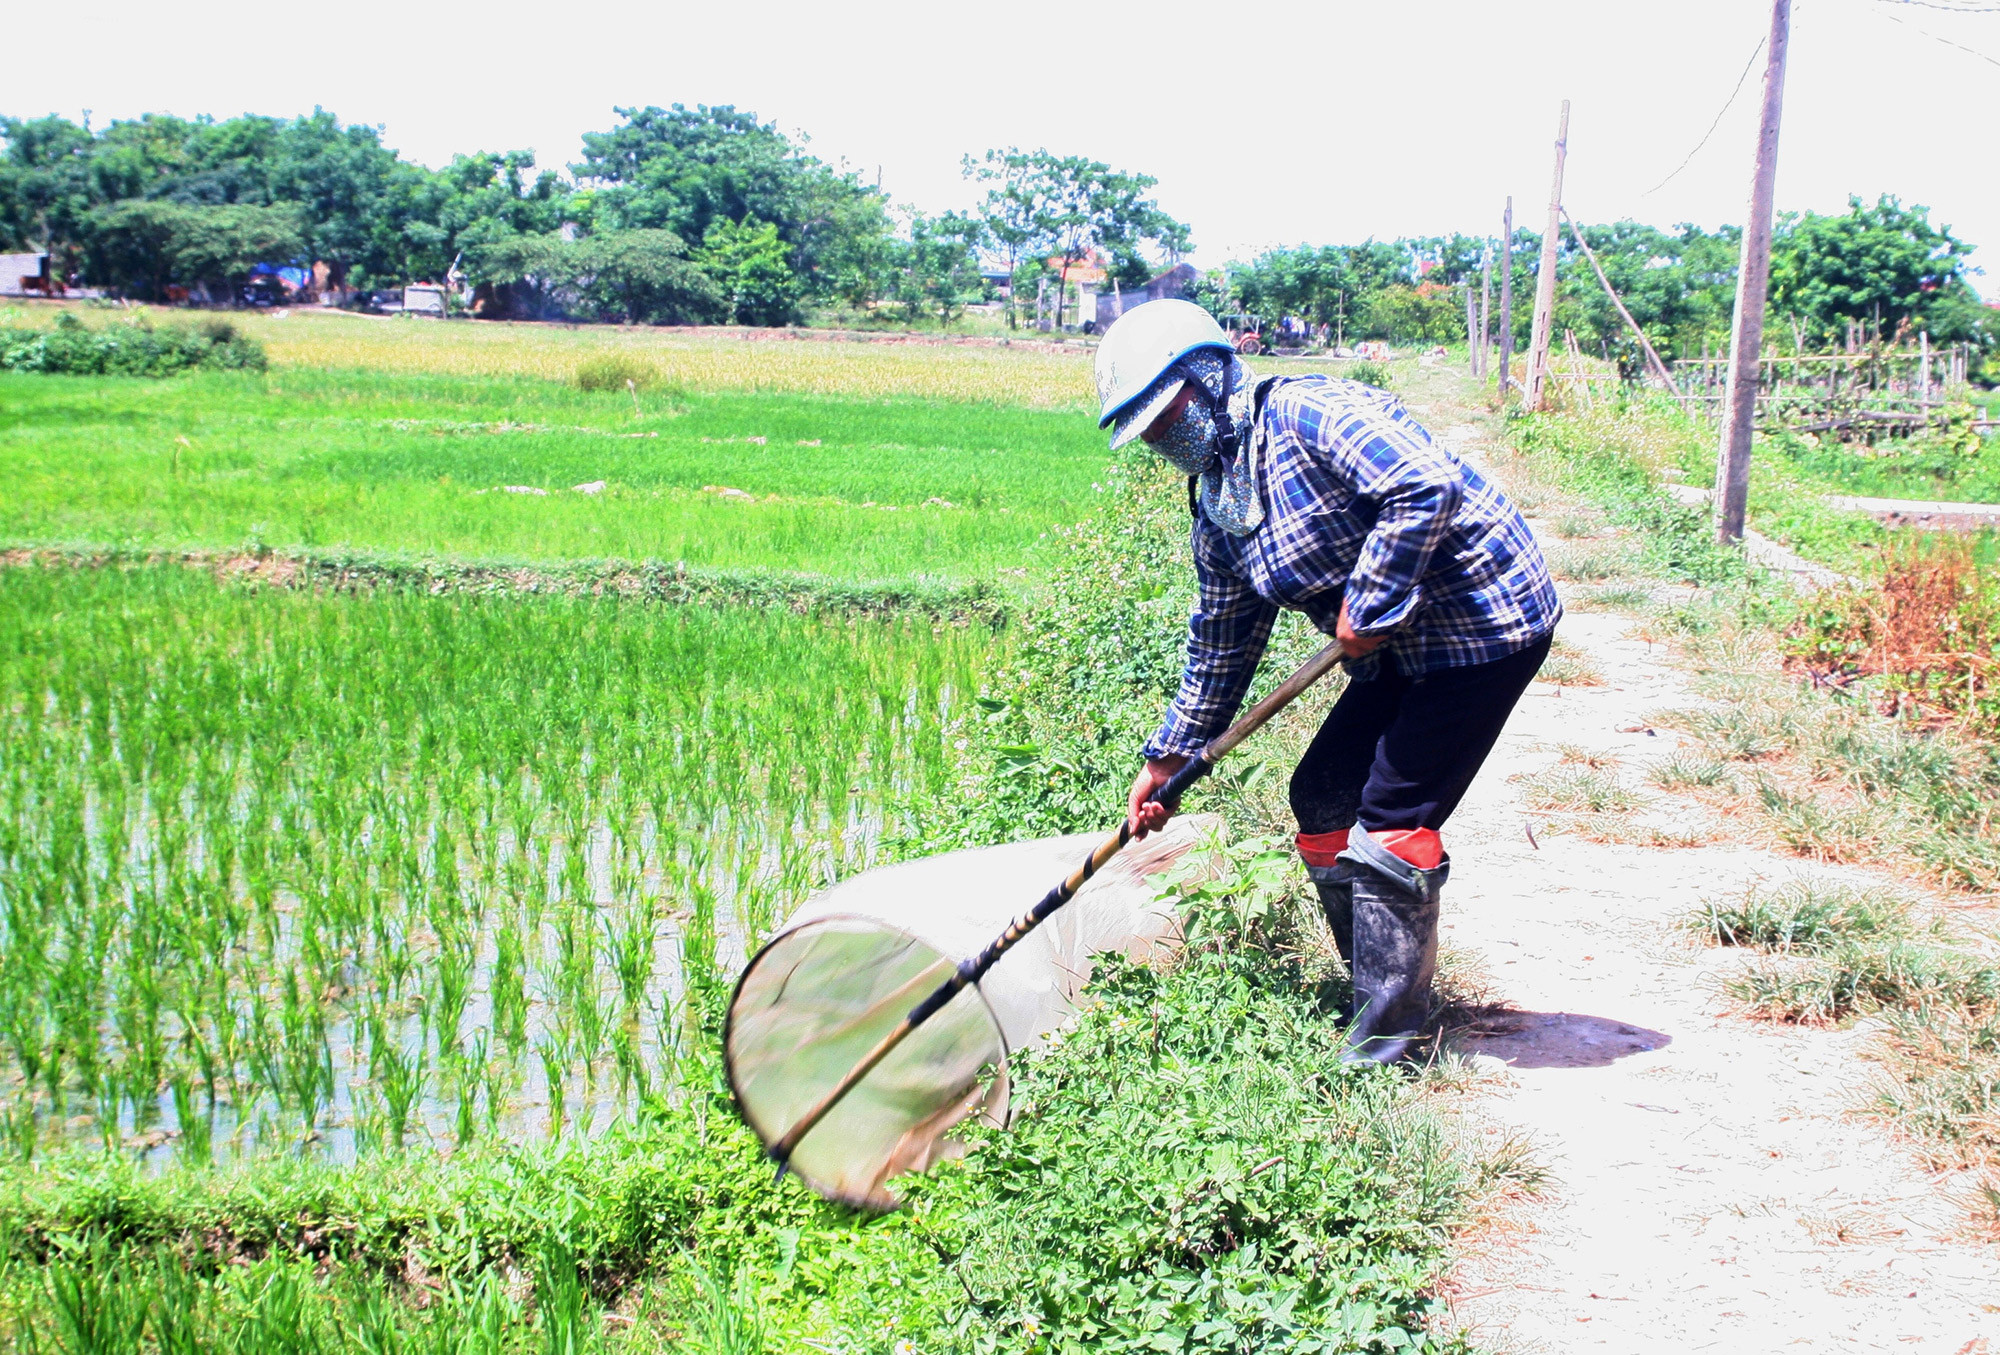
1711 1187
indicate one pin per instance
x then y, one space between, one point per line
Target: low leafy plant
131 348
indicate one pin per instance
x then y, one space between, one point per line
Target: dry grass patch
1569 666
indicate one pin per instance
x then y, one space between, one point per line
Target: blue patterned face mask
1189 446
1193 445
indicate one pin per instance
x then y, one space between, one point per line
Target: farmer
1326 497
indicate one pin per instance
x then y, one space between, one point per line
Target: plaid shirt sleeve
1227 633
1418 490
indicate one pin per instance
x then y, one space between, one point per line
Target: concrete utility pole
1506 299
1753 277
1485 310
1545 281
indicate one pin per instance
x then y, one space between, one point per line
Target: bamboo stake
1545 282
1471 330
1506 300
1659 368
1485 309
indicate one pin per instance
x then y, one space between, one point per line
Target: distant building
25 274
1170 285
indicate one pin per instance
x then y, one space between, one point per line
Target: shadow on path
1555 1039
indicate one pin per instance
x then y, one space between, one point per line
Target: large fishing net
849 965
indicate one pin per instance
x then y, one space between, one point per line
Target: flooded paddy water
292 872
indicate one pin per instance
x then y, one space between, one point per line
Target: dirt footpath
1710 1186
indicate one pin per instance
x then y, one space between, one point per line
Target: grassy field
1030 375
485 468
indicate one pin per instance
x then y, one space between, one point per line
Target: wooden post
1471 330
1753 276
1506 299
1659 368
1485 310
1545 281
1923 366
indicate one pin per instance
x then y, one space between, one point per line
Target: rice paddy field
521 469
363 937
286 868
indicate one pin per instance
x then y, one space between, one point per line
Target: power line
1747 67
1947 7
1969 51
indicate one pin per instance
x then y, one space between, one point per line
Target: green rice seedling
357 468
467 1077
96 1306
312 787
401 1078
196 1128
23 1130
564 1323
727 1320
507 991
630 948
450 987
1810 914
555 1080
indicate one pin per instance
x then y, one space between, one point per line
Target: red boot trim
1421 847
1322 849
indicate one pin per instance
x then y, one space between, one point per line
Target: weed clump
616 372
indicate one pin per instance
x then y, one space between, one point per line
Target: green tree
685 169
1067 207
1884 263
635 276
142 246
940 265
751 271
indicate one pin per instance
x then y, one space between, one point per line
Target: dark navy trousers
1397 752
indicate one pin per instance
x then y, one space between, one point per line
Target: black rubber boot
1395 913
1336 899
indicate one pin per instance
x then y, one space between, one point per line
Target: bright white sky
1266 123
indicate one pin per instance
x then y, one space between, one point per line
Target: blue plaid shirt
1359 502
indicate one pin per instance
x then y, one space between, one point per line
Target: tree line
705 214
1884 267
675 215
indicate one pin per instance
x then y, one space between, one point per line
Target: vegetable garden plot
289 868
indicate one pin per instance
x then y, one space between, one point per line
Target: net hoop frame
1001 1077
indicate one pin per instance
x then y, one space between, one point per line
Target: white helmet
1140 348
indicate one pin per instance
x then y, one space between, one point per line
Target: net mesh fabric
850 964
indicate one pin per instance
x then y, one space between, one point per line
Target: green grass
414 464
1191 1169
286 867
